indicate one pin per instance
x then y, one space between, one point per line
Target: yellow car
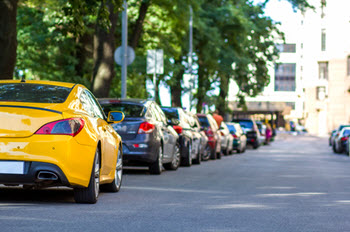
56 134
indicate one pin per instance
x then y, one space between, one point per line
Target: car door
169 134
108 138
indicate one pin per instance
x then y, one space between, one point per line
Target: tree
8 38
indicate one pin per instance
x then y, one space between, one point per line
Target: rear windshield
231 128
171 113
245 124
204 121
129 110
37 93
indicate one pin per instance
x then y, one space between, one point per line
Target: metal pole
190 55
125 47
155 75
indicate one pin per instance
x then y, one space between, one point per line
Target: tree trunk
137 31
221 101
84 52
176 89
8 38
104 46
201 87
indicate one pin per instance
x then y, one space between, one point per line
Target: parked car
336 133
204 148
148 138
339 142
262 132
210 127
226 139
331 136
188 144
251 130
56 134
240 139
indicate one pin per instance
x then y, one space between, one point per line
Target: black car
148 139
180 123
251 130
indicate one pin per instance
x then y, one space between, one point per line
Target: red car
211 129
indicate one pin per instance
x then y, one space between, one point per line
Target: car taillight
222 133
146 128
235 136
344 138
70 126
178 129
209 133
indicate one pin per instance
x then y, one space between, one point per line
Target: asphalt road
294 184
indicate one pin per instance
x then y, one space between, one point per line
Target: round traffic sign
118 55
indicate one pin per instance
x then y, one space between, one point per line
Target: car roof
41 82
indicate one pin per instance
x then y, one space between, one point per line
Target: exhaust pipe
46 175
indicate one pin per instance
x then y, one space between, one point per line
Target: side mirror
115 116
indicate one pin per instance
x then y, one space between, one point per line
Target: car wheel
156 168
213 155
334 148
90 194
198 159
218 155
118 175
175 163
187 162
206 153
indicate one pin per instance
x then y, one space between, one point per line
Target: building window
285 77
323 70
348 65
320 93
323 40
288 48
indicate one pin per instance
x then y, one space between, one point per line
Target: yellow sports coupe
56 134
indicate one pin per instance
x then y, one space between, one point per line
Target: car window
129 109
245 124
231 128
37 93
171 113
95 106
203 121
346 132
85 102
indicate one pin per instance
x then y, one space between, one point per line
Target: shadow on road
41 196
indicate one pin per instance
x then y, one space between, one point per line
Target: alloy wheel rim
119 170
97 175
176 161
160 158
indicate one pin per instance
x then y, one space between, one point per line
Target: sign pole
124 47
190 55
155 75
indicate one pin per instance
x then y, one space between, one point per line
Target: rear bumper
30 175
62 154
139 156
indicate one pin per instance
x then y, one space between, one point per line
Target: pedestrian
218 118
268 133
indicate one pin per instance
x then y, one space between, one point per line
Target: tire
218 155
116 184
175 163
213 155
156 168
90 194
335 149
198 159
187 161
206 154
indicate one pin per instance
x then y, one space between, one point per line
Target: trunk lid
128 128
23 121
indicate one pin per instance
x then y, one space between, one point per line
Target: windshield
245 124
129 110
204 121
37 93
